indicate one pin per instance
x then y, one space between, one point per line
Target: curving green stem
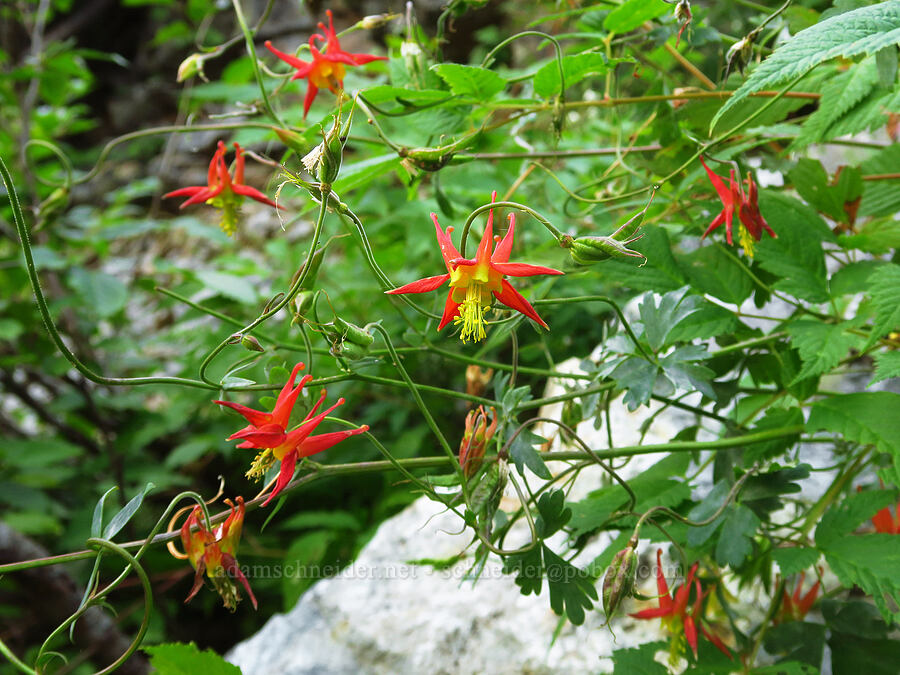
557 234
292 292
44 310
254 61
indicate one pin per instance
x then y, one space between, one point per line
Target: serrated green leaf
176 658
883 289
661 273
640 660
881 197
118 521
840 521
708 321
877 236
474 81
659 320
861 31
571 588
637 377
887 365
633 13
736 538
796 559
575 68
812 183
839 96
795 256
869 561
867 417
853 278
821 345
713 271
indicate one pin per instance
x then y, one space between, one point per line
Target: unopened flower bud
192 65
618 583
324 160
251 343
477 379
376 20
475 439
740 52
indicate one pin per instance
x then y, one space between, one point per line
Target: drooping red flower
673 609
794 606
746 204
326 68
268 432
472 282
222 190
475 439
214 553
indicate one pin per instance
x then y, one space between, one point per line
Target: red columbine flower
473 281
214 553
268 432
794 607
673 610
222 190
326 69
734 198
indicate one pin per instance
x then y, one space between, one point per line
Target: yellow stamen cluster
231 214
471 312
263 461
746 240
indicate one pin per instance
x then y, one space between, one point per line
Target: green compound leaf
821 345
571 588
869 561
176 658
736 538
884 285
528 567
862 31
839 522
553 513
479 83
868 417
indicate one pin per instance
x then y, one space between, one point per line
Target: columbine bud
475 439
376 20
740 52
324 160
477 380
592 249
251 343
618 583
192 65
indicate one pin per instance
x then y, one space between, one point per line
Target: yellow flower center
471 312
328 75
263 461
746 240
230 204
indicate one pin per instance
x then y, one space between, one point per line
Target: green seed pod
618 583
353 333
251 343
485 498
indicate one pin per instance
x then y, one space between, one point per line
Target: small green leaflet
795 559
633 13
176 658
885 290
887 365
575 68
869 561
571 588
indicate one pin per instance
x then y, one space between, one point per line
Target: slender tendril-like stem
254 61
557 234
292 292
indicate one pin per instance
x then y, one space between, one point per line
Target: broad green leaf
33 523
637 377
661 273
575 68
881 197
640 660
795 559
408 98
364 171
821 345
840 521
529 570
713 271
118 521
869 561
10 329
867 417
229 285
736 537
633 13
553 513
885 292
659 320
708 321
839 96
877 236
861 31
479 83
887 365
332 520
572 589
523 453
101 293
305 555
813 185
177 658
853 278
796 256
